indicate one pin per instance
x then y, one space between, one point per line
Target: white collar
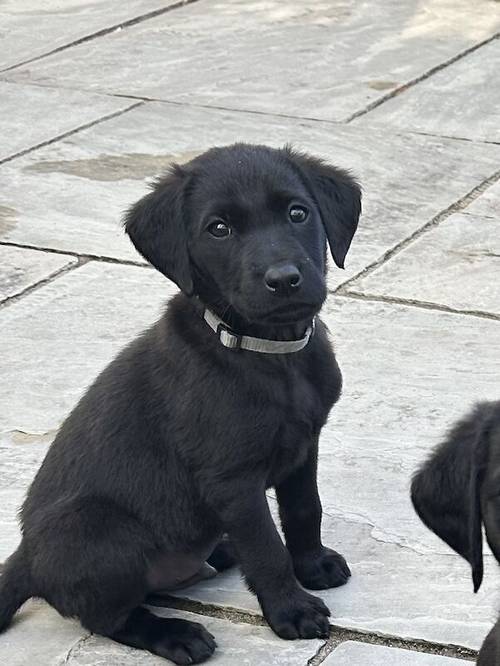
232 340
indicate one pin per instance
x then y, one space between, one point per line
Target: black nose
283 279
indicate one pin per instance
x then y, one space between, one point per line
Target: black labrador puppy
458 490
176 442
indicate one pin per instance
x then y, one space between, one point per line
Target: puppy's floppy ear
446 491
157 227
338 197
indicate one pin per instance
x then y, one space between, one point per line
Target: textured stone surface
54 342
71 195
33 114
462 100
362 654
456 264
403 387
39 637
367 49
488 204
29 28
21 268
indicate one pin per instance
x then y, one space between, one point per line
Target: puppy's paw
183 642
322 570
300 615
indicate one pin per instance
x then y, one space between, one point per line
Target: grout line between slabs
79 255
339 634
456 207
422 77
44 282
65 135
104 31
416 304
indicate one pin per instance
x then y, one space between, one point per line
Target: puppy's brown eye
219 229
298 213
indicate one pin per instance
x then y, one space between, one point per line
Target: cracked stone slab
274 65
236 643
34 114
54 343
403 388
30 29
462 100
21 268
39 635
351 653
456 264
71 195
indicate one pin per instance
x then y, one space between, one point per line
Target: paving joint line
78 255
64 135
10 300
427 74
339 634
423 305
456 207
104 31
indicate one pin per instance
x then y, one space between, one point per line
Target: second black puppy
177 440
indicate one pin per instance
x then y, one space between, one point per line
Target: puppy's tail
15 586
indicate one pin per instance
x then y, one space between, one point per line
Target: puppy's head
458 487
247 226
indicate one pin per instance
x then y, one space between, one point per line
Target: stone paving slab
367 49
456 264
39 637
488 204
462 100
21 268
29 29
71 195
351 653
34 114
403 387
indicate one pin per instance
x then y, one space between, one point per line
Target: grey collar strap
232 340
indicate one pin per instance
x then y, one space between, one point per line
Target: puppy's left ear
338 197
156 226
446 491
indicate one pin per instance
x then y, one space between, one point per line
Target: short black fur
177 440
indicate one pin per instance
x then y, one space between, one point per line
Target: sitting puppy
178 439
458 489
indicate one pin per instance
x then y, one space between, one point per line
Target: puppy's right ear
446 491
156 226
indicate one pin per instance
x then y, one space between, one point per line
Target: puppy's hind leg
223 556
92 563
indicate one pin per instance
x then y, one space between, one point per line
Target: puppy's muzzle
283 280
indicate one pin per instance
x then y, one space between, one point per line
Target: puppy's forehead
245 177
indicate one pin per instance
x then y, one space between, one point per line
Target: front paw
298 615
322 570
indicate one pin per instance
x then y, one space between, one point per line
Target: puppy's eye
219 229
298 213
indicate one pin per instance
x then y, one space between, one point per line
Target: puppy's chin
286 314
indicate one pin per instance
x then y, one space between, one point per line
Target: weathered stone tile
488 204
54 343
30 29
34 114
38 636
456 264
367 49
237 643
351 653
71 195
408 374
462 100
21 268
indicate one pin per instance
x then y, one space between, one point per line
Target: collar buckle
228 337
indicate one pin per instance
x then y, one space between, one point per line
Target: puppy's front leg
316 566
290 611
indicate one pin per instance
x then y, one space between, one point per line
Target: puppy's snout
283 279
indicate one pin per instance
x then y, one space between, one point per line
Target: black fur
457 491
176 441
